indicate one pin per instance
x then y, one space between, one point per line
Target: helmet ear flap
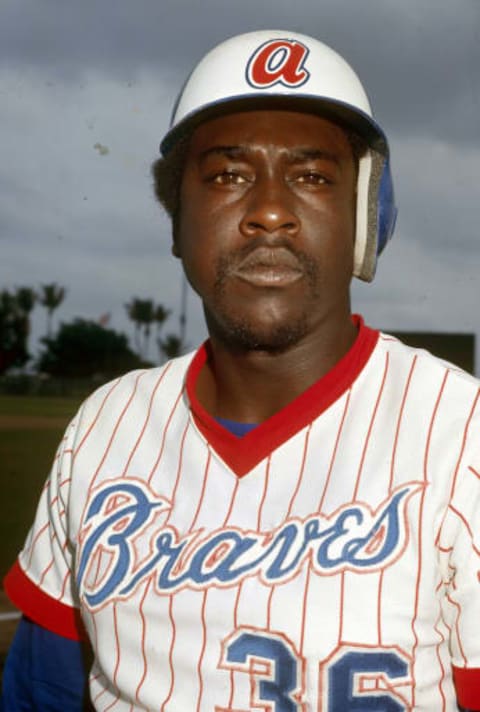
376 213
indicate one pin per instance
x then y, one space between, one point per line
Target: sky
86 91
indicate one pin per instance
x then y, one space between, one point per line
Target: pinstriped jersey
327 561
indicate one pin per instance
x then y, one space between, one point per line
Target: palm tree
51 296
142 313
134 312
147 317
25 298
172 346
160 317
14 328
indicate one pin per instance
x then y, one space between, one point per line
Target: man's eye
228 178
312 178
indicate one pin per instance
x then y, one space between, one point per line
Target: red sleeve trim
42 608
467 686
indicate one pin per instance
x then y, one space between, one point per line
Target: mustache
259 252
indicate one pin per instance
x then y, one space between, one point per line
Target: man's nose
269 209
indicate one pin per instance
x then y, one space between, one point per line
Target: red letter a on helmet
278 62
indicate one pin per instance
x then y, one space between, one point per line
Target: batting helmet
278 69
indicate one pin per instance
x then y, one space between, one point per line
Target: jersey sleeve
41 582
460 553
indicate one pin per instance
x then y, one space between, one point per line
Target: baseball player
287 519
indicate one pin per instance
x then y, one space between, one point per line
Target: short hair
167 172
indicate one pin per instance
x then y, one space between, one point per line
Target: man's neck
251 386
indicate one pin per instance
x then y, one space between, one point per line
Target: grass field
30 430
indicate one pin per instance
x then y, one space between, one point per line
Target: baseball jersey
327 561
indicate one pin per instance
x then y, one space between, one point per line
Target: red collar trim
242 454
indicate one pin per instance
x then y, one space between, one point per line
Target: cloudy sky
85 95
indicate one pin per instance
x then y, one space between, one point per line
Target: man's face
266 226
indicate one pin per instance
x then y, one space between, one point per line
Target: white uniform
328 561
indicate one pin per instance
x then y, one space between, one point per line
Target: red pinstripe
304 608
66 579
466 525
117 654
370 427
334 453
442 677
94 421
379 608
112 704
170 655
164 435
342 599
420 530
205 595
269 608
34 542
464 441
100 674
202 493
147 417
264 495
115 429
400 416
290 507
459 610
179 469
390 487
45 572
172 620
235 608
239 587
302 469
474 472
232 501
202 652
144 655
235 625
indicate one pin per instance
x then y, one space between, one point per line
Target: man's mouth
269 267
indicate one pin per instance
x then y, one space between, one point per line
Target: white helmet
279 69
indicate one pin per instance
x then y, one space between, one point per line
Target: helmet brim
335 111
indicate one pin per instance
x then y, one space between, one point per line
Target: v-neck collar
242 454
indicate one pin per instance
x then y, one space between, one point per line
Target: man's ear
175 249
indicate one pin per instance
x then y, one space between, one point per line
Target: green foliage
51 296
84 348
171 346
143 313
15 308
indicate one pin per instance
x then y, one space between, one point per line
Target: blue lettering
354 537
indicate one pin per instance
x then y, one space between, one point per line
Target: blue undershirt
238 429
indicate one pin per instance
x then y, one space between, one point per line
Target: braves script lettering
278 62
125 540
